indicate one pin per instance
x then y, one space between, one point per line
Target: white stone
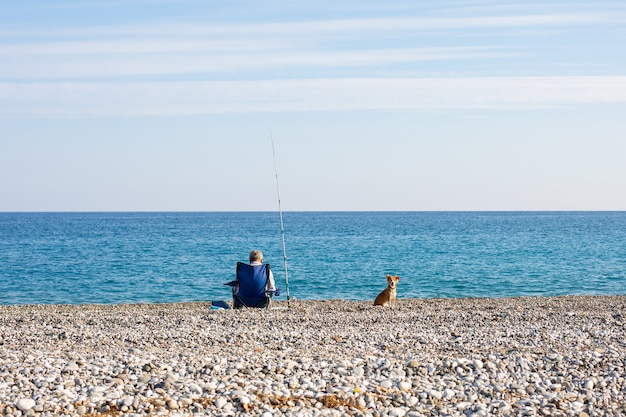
405 385
25 404
435 394
114 395
386 384
195 388
412 401
397 412
463 405
220 402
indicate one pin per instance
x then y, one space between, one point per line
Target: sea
118 258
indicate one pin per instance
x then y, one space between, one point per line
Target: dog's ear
388 276
397 278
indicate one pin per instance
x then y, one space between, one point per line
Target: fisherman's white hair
256 256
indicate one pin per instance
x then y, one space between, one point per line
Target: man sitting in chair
254 285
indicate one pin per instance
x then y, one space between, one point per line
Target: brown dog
388 295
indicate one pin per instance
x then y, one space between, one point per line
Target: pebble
397 412
435 394
195 388
25 404
405 385
220 402
457 357
386 384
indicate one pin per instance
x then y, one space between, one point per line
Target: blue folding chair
251 282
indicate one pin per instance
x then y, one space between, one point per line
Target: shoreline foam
473 356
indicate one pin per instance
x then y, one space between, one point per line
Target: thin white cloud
210 49
193 98
319 27
138 46
207 63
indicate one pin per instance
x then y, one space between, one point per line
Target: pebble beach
560 356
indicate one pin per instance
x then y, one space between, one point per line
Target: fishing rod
280 213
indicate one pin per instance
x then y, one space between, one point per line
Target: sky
163 105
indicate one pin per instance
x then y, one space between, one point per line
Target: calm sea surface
111 258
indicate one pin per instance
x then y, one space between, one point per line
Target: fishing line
280 213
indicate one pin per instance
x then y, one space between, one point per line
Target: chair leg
237 303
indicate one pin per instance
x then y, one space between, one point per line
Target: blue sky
400 105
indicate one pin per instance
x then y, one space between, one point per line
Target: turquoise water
111 258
